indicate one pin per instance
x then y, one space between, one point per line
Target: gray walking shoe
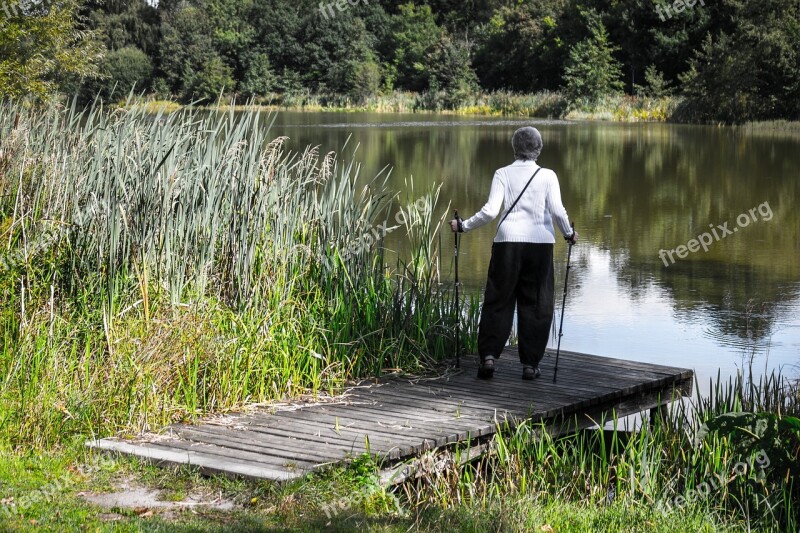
486 370
529 372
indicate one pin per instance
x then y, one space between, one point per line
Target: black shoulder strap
518 198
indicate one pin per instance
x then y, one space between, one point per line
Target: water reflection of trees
739 300
636 189
662 186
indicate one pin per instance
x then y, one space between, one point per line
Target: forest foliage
727 60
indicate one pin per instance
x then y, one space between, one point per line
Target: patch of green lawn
43 493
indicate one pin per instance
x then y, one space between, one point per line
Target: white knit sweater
532 218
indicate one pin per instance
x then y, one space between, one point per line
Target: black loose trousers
521 275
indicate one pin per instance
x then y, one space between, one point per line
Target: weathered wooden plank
609 368
443 433
466 410
460 415
353 442
344 443
424 419
489 398
624 365
539 389
510 376
610 362
440 406
207 464
412 412
615 377
372 421
250 457
312 424
370 428
396 474
239 440
583 376
445 404
305 440
588 371
476 427
625 384
485 402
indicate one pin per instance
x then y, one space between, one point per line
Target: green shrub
592 72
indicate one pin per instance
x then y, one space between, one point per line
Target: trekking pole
458 301
563 305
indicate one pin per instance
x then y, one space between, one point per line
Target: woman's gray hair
527 143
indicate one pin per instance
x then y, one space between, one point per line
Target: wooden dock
398 419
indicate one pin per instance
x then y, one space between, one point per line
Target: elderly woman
521 268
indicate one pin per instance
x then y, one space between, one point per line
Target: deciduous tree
44 49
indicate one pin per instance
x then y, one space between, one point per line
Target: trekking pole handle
571 238
458 221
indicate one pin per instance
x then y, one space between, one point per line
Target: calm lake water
632 190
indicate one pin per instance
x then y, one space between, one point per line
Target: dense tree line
731 60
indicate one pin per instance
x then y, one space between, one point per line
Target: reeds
160 266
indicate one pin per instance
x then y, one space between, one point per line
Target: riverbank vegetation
563 58
159 268
547 104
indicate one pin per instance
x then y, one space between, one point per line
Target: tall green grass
160 266
744 477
